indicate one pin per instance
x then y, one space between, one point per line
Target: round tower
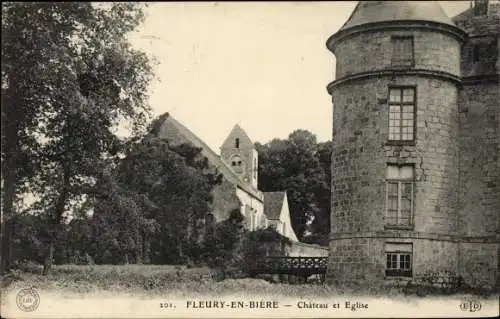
395 142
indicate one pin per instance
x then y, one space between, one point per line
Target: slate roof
381 11
273 203
163 128
493 11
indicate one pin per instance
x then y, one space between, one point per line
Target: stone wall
371 51
360 155
364 259
479 263
224 200
479 158
354 259
298 249
256 208
479 192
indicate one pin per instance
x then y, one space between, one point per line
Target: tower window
237 164
399 259
402 51
237 143
401 114
255 168
485 52
475 53
399 195
480 7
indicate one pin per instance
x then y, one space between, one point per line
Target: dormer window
485 51
480 7
237 143
402 51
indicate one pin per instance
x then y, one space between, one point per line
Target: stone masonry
454 155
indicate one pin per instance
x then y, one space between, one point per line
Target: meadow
175 281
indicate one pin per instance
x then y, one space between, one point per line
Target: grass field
109 291
174 281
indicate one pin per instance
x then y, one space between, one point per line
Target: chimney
480 7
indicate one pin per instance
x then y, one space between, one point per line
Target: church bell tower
240 154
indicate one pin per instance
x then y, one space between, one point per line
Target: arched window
237 164
237 143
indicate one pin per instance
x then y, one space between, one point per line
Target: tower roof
384 11
376 15
169 128
237 132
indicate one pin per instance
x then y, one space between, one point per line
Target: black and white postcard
250 159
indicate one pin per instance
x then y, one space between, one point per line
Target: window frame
400 182
237 164
401 105
401 63
481 8
255 168
485 52
398 271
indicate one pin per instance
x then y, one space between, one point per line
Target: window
254 168
402 51
399 208
402 114
485 52
237 164
237 143
480 7
398 259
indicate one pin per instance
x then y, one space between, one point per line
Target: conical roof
384 11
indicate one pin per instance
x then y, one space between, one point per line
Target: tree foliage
154 209
69 77
301 166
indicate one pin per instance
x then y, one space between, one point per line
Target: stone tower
240 154
395 159
479 109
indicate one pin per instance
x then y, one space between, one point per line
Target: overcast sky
263 65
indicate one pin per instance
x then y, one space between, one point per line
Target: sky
263 65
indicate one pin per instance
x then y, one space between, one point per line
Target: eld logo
471 306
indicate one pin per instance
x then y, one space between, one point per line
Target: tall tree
69 76
301 166
157 184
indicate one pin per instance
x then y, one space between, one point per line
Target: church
416 144
238 165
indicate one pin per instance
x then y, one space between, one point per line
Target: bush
232 249
442 283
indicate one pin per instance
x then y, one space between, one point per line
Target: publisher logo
470 305
28 299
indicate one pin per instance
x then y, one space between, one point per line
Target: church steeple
238 151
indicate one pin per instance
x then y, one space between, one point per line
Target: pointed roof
169 128
384 11
493 12
237 132
273 203
375 15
